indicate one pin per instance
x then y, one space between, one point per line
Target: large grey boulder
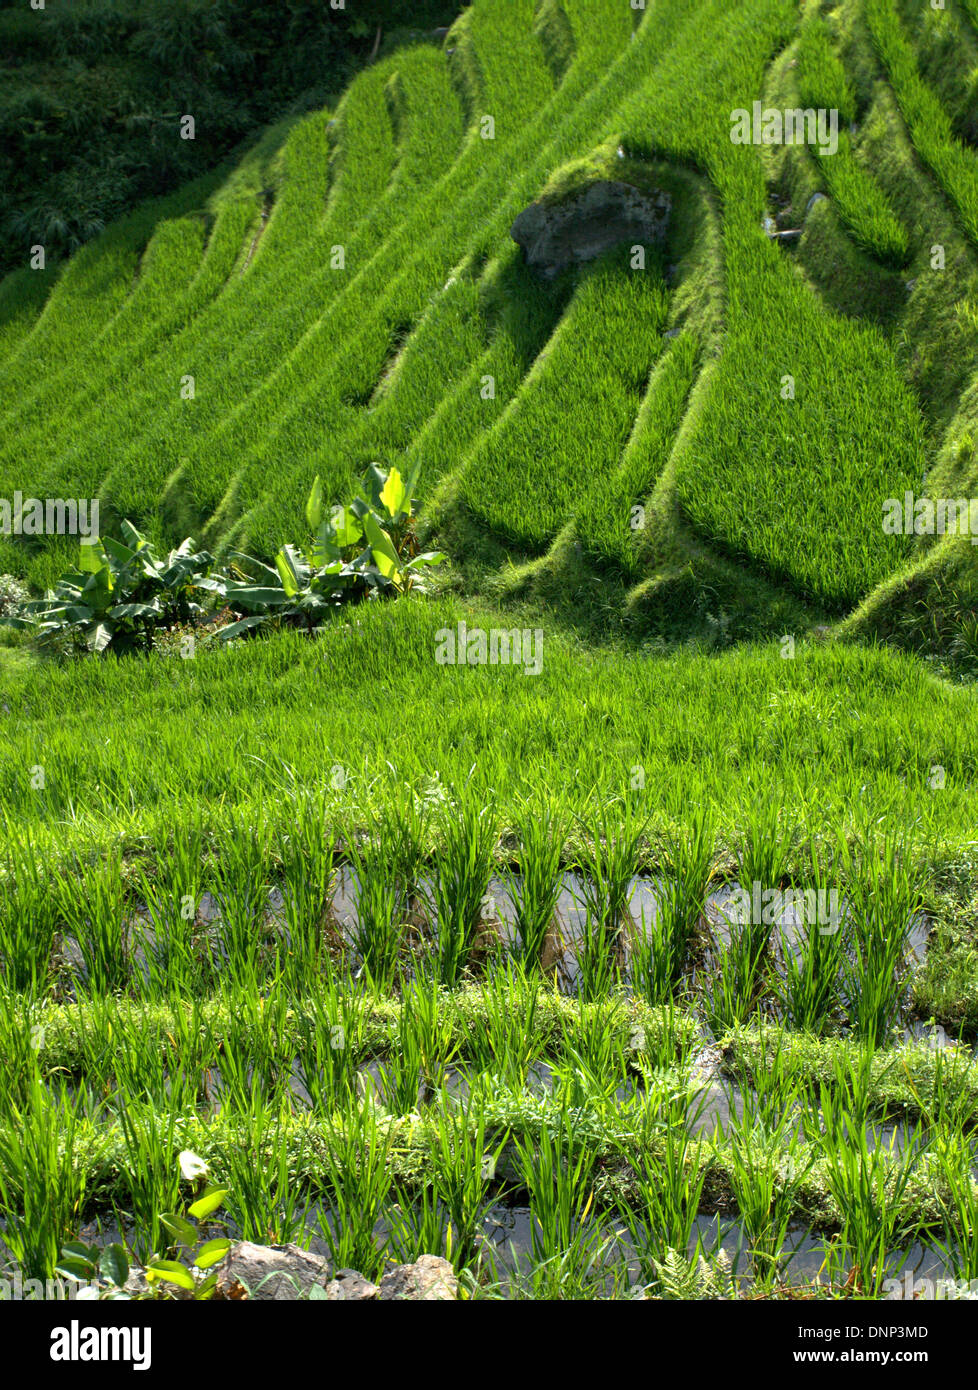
585 224
280 1273
271 1273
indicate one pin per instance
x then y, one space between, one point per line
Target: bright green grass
955 166
300 368
22 296
796 485
246 312
607 524
560 441
585 121
840 731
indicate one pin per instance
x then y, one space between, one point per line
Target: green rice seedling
240 888
134 1061
558 1173
398 839
191 1052
418 1224
607 862
763 858
459 885
405 829
659 1198
329 1030
356 1169
944 1094
42 1174
660 949
958 1238
251 1064
423 1046
883 894
598 957
945 1101
654 962
28 917
768 1167
777 1072
808 985
740 966
100 1033
257 1163
500 1036
852 1078
172 897
22 1036
462 1170
736 980
596 1037
595 1099
535 889
93 905
307 854
583 1270
869 1186
380 910
150 1180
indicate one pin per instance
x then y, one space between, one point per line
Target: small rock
347 1284
138 1286
672 333
815 198
269 1273
430 1279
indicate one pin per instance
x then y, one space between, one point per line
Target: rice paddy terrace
509 891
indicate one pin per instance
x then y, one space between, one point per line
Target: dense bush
120 594
91 94
125 597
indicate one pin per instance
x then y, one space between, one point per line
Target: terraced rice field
429 958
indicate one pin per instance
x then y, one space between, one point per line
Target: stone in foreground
430 1279
270 1273
279 1273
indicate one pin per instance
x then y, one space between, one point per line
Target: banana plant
366 550
121 591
